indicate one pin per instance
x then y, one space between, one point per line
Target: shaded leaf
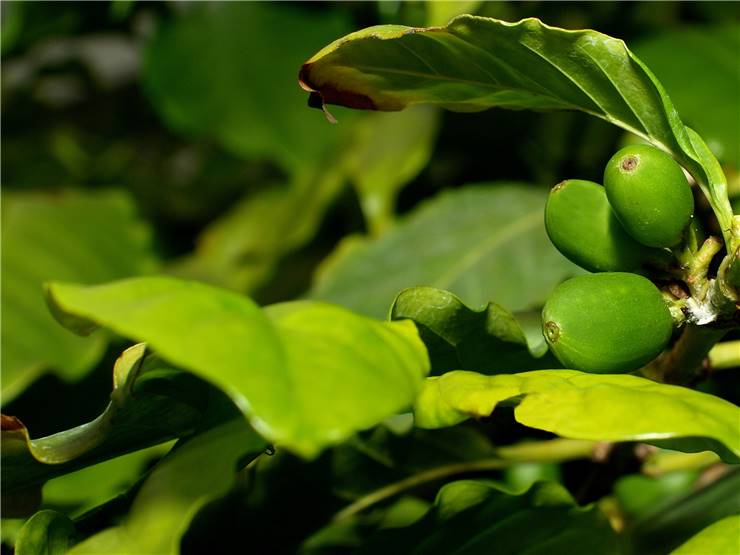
198 470
710 100
221 70
387 151
45 533
489 340
640 495
607 407
480 243
720 538
241 249
306 374
85 237
674 524
472 517
150 403
475 63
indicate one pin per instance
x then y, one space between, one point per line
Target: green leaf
675 523
306 374
241 249
480 243
470 517
489 340
198 470
151 403
710 100
572 404
84 237
640 495
475 63
388 151
45 533
720 538
222 71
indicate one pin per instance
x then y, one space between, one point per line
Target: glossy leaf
306 374
471 517
608 407
710 101
150 403
85 237
198 470
475 63
490 340
238 84
45 533
480 243
720 538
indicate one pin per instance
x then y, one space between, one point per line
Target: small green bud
606 323
583 227
649 194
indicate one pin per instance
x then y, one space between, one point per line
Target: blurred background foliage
173 137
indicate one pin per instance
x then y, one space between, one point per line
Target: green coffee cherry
583 227
606 323
649 194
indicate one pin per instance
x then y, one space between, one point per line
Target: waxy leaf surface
474 63
480 243
573 404
306 374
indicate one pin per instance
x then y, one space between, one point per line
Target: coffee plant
498 370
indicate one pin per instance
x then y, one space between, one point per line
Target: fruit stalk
684 363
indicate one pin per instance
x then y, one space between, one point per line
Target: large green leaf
198 470
150 403
720 538
710 100
475 63
84 237
608 407
220 70
476 517
490 340
480 243
306 374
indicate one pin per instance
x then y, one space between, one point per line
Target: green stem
725 355
683 364
546 451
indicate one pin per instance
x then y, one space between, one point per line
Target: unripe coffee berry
606 323
649 194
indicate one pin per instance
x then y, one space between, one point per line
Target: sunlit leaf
480 243
475 63
151 403
602 407
84 237
307 374
720 538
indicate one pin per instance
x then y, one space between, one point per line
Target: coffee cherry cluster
615 320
